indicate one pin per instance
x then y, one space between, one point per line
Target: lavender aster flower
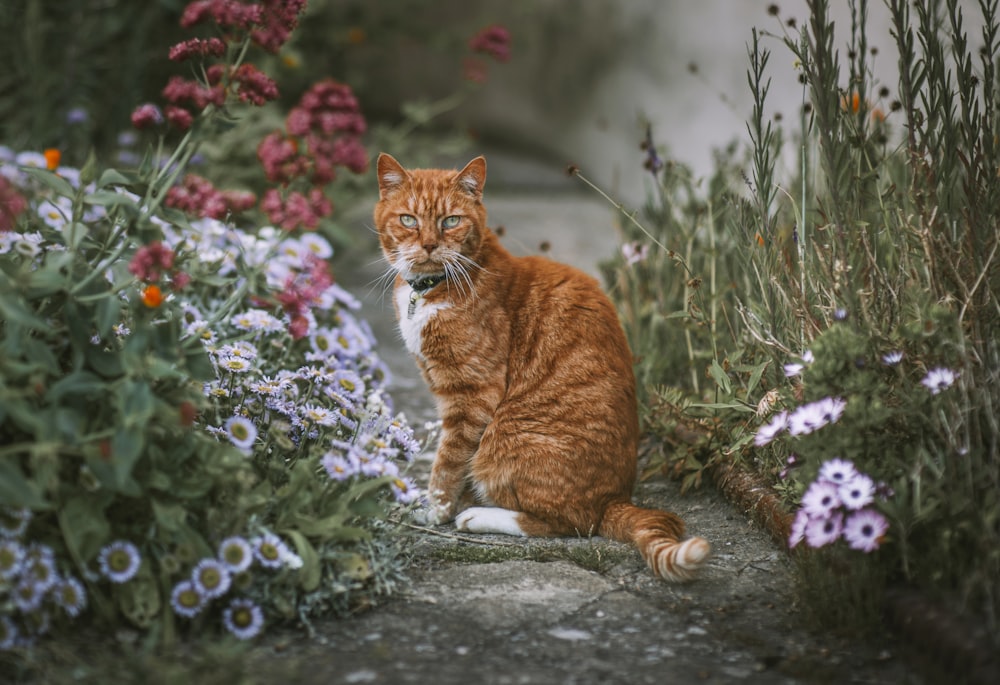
211 578
892 358
186 600
243 618
236 553
71 596
119 561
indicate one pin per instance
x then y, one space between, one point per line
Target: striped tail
658 535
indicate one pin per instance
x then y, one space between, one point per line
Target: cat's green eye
451 221
408 220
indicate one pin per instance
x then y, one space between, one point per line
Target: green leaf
109 311
113 177
311 572
755 377
720 377
738 406
51 181
16 490
76 383
84 526
136 403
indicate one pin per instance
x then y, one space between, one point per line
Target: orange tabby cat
532 374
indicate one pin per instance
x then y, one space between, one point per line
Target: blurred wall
583 74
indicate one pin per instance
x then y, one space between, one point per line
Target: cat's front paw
433 514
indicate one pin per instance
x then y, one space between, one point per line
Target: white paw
489 520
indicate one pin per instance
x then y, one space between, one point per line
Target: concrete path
489 609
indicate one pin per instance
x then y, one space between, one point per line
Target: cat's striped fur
532 374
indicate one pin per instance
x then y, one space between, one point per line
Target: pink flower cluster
301 291
321 133
196 195
196 47
296 210
152 260
12 203
270 21
493 41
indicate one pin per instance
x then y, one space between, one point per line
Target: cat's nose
430 245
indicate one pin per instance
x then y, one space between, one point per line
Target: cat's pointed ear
473 176
391 174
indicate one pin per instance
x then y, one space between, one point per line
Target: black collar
423 284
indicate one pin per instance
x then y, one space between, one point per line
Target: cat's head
430 221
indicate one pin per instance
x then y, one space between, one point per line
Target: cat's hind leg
504 522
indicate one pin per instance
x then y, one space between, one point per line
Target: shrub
860 296
194 426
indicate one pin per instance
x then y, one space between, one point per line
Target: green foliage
874 272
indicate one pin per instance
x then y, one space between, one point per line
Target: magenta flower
196 47
493 41
146 116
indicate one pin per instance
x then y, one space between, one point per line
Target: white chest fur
412 326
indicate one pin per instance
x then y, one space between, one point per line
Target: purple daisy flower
820 499
770 430
865 529
243 618
837 471
857 492
823 531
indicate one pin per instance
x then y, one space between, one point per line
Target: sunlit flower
236 553
939 379
186 600
824 531
241 431
243 618
820 499
211 578
857 492
71 596
119 561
